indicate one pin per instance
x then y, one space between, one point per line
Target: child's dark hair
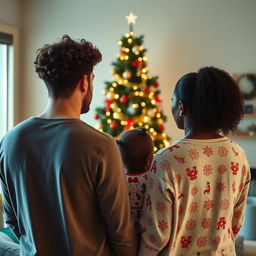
136 148
213 98
142 131
61 65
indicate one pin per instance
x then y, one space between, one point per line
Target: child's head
137 149
210 98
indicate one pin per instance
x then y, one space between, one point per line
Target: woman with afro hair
198 188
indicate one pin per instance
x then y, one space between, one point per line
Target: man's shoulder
96 134
19 128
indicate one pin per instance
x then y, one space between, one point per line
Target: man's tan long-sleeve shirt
64 191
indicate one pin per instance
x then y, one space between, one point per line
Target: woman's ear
182 108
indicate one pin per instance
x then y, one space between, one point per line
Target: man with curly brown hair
64 191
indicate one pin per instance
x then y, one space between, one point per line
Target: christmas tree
132 99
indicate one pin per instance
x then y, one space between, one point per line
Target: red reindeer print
148 202
235 152
192 174
180 160
185 241
221 223
181 196
236 229
153 168
171 148
208 189
234 167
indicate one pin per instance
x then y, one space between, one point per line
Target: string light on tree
133 97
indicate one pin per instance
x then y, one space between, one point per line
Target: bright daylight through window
6 76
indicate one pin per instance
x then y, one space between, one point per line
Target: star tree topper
131 19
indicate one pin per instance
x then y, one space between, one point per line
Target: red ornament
124 99
96 116
107 104
135 63
129 123
157 99
161 127
156 84
147 90
122 52
113 125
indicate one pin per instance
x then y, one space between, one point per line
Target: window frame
13 77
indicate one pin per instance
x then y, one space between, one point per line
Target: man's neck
61 108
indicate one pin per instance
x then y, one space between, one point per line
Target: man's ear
182 108
83 84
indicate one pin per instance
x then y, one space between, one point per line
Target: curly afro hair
213 98
61 65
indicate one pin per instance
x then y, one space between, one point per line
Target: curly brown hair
61 65
213 98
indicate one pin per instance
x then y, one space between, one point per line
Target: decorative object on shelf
248 108
247 84
252 129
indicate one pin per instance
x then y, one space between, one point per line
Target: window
8 42
6 81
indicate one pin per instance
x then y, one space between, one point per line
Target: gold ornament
127 75
150 112
110 95
160 121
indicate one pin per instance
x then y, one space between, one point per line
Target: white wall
181 36
10 22
10 11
